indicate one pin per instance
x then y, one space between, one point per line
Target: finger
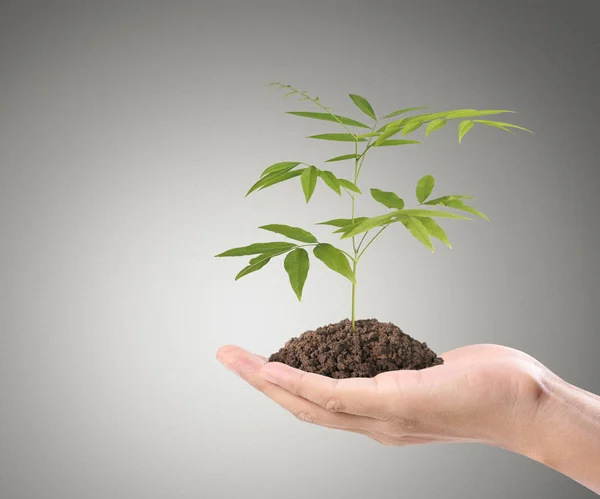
248 366
238 360
226 352
357 396
309 412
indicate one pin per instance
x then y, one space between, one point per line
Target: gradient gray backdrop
129 133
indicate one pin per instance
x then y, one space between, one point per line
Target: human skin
484 393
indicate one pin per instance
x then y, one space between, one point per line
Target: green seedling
363 138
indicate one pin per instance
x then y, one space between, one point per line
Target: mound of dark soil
374 347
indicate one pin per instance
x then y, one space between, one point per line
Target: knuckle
306 416
334 404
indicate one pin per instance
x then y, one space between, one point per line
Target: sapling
362 139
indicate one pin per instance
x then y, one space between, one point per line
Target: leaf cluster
421 221
296 261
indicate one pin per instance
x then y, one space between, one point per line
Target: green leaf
388 199
309 182
264 181
418 230
398 142
268 254
342 158
329 117
463 128
417 118
502 125
292 232
370 223
344 230
431 213
284 176
349 185
402 111
258 262
277 167
253 267
444 199
435 230
411 127
256 248
342 222
363 104
335 259
349 227
386 134
470 209
425 187
337 137
434 125
296 265
331 180
423 118
403 121
457 204
274 178
367 135
470 113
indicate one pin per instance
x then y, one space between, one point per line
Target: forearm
564 432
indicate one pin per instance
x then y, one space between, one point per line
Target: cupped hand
482 393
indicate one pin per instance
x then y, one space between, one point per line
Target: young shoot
361 138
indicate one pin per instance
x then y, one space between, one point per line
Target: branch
314 100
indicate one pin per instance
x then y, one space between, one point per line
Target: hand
482 393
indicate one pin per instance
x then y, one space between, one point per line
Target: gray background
129 134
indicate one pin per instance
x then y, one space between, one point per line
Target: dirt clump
375 347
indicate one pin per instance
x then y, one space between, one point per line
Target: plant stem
369 243
314 101
354 262
358 162
361 240
355 259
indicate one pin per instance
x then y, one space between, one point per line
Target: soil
375 347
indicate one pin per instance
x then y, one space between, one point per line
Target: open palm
482 393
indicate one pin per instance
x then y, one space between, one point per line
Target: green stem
316 102
358 162
369 243
355 259
362 240
364 153
354 262
352 196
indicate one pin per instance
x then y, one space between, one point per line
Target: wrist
561 430
534 388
